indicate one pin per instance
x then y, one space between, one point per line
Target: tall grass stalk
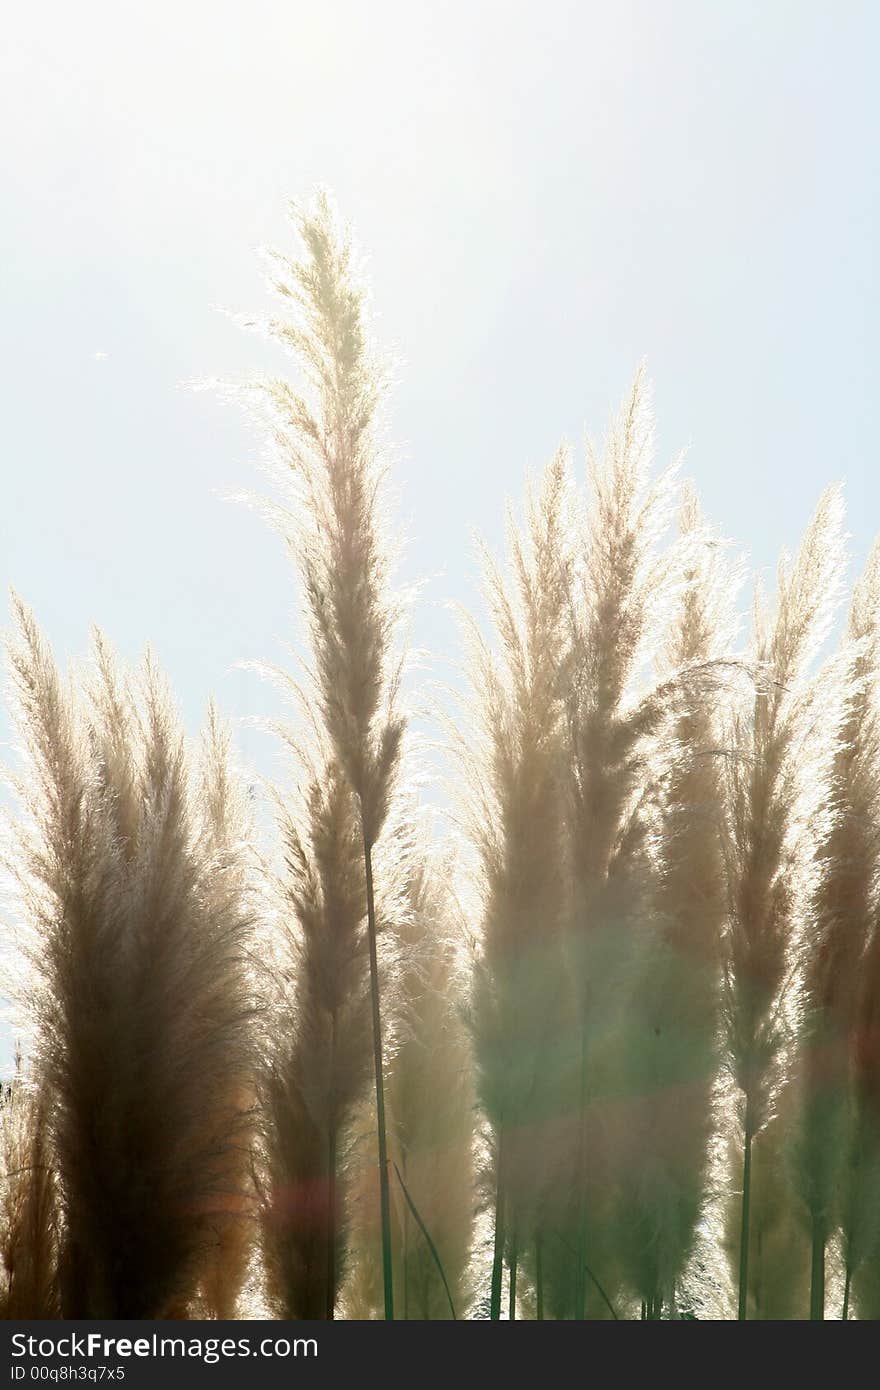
329 447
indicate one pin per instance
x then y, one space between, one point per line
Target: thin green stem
846 1289
539 1278
427 1234
602 1294
384 1194
511 1302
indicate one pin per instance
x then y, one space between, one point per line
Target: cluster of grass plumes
609 1048
135 931
709 845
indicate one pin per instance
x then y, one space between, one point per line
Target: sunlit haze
547 194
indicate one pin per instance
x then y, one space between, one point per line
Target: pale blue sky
549 192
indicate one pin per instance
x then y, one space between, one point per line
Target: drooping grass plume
621 599
671 1034
781 746
28 1207
330 450
515 820
318 1048
430 1116
841 923
138 990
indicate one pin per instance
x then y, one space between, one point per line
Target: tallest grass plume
328 442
